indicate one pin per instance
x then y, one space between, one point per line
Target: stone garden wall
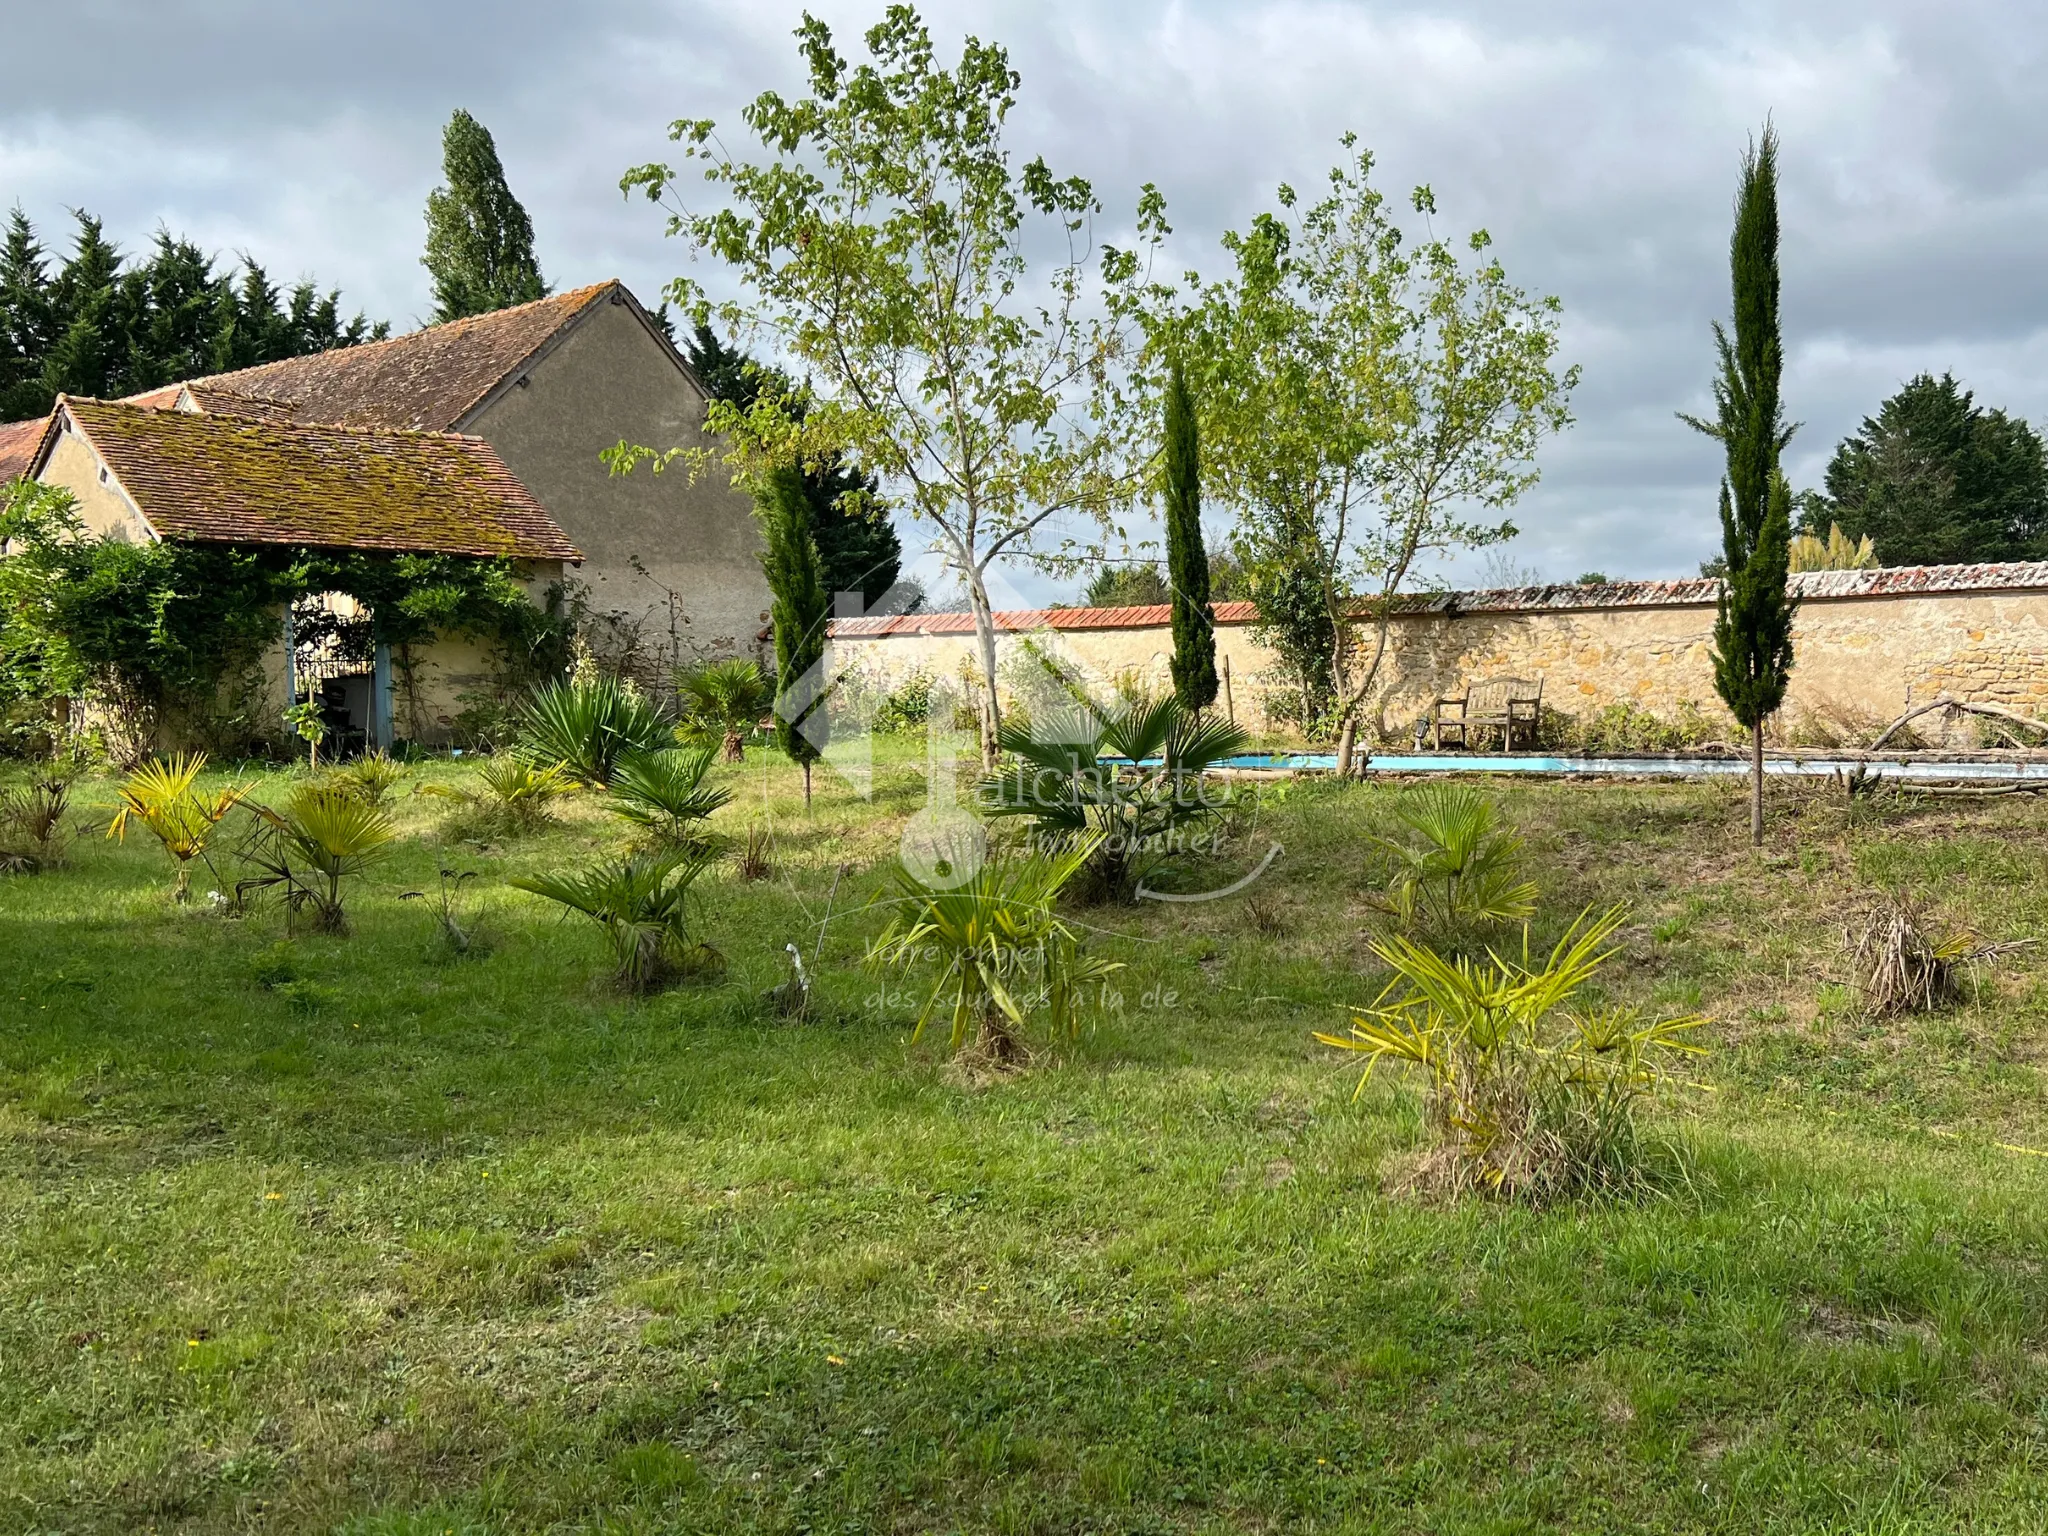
1868 644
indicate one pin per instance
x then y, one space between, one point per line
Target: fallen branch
1946 700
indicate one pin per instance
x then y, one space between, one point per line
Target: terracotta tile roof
18 441
426 381
162 398
230 479
1695 592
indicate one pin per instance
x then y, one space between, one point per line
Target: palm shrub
588 725
1461 868
1527 1094
370 778
511 794
1004 955
163 795
323 837
726 699
665 793
32 831
1126 783
643 906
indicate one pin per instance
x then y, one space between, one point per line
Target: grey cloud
1596 139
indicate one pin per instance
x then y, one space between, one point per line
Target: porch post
380 699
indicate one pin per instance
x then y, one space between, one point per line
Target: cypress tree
1187 559
479 239
801 608
1753 629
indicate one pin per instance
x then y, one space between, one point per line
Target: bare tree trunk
807 784
1347 738
1756 785
985 636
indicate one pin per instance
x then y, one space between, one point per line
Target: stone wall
1868 645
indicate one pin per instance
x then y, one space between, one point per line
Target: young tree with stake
881 238
1753 630
1187 558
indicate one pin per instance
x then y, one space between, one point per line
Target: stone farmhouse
482 436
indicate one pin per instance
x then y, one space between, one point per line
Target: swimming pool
1651 767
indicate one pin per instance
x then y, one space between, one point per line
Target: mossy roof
426 381
18 441
236 480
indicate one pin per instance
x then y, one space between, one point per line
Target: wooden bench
1511 705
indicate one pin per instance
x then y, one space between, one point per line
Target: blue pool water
1669 767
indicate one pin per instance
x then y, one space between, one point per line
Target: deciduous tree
1366 403
479 238
887 241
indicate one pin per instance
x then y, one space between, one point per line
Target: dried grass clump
1904 963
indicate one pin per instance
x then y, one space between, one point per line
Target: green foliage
643 906
1528 1095
1753 629
726 699
588 726
665 793
1366 401
1004 956
907 706
1936 479
1128 816
104 328
883 235
511 794
1126 586
479 238
802 612
1187 556
323 837
1460 870
1622 729
857 546
163 795
1294 623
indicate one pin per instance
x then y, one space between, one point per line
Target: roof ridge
445 327
287 426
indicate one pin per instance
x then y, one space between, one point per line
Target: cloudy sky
1596 139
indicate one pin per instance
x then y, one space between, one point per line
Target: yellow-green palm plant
322 837
1004 954
163 795
516 794
1527 1094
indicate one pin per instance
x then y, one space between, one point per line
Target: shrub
665 792
907 706
589 726
370 778
321 838
512 794
726 699
1004 956
162 795
642 904
1131 812
1462 870
1527 1096
32 831
1621 729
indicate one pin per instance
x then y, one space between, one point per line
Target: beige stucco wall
105 511
1859 661
609 380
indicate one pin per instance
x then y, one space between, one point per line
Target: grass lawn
352 1235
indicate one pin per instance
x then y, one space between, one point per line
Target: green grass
353 1235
